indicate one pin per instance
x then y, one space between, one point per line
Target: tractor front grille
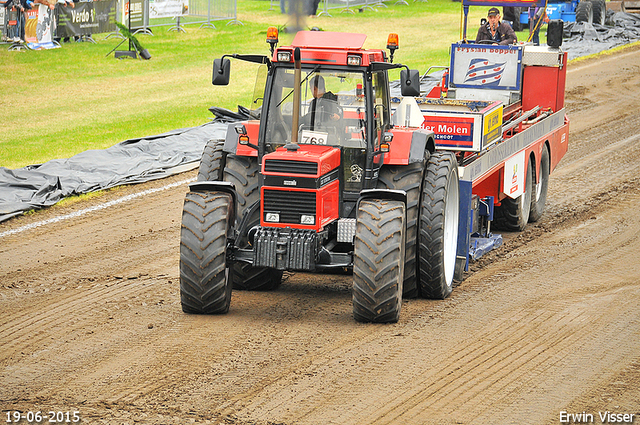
289 204
290 167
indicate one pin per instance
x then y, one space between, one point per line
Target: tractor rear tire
409 179
212 161
205 281
513 214
439 218
539 191
599 8
378 261
584 12
244 173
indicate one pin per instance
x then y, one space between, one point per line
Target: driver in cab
324 107
495 31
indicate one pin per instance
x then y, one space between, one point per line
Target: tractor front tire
409 179
205 281
439 218
539 192
244 173
512 215
378 261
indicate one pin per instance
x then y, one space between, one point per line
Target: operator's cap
493 11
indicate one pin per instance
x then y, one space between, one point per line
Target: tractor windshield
332 109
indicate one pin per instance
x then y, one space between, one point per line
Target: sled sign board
485 66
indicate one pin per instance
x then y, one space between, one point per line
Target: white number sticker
313 137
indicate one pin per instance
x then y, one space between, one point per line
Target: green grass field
57 103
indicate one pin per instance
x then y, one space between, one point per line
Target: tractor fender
421 142
218 186
390 194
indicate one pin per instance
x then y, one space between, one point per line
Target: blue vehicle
592 11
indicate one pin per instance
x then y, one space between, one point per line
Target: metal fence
203 12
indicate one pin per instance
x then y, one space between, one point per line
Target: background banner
137 13
86 18
168 8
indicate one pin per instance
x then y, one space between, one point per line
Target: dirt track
90 318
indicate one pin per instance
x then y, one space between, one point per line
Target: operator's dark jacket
504 35
322 109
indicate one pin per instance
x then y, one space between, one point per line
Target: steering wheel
486 42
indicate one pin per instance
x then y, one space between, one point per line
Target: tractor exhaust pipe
297 76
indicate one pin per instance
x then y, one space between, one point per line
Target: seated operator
324 109
495 30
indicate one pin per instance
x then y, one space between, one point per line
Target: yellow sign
492 125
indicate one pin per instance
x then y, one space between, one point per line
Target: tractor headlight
272 217
353 60
284 56
307 219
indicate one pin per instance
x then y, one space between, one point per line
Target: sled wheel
378 261
584 12
205 281
513 214
539 191
439 217
212 161
244 173
409 179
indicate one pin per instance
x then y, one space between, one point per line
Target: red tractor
336 174
321 184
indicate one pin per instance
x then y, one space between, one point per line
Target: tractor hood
312 161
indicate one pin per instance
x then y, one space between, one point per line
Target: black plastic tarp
131 161
581 39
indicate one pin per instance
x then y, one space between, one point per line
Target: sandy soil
90 317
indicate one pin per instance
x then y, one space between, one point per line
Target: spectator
16 22
536 16
313 7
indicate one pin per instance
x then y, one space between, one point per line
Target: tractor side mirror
221 72
410 82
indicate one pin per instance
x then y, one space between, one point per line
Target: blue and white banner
482 66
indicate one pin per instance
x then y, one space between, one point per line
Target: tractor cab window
258 90
381 115
332 109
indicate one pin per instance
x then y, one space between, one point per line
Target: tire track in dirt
37 324
503 369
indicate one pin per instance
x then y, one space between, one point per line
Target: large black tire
512 14
212 161
205 281
539 191
584 12
378 261
409 179
439 218
599 8
513 214
244 173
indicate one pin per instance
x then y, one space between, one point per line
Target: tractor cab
333 101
